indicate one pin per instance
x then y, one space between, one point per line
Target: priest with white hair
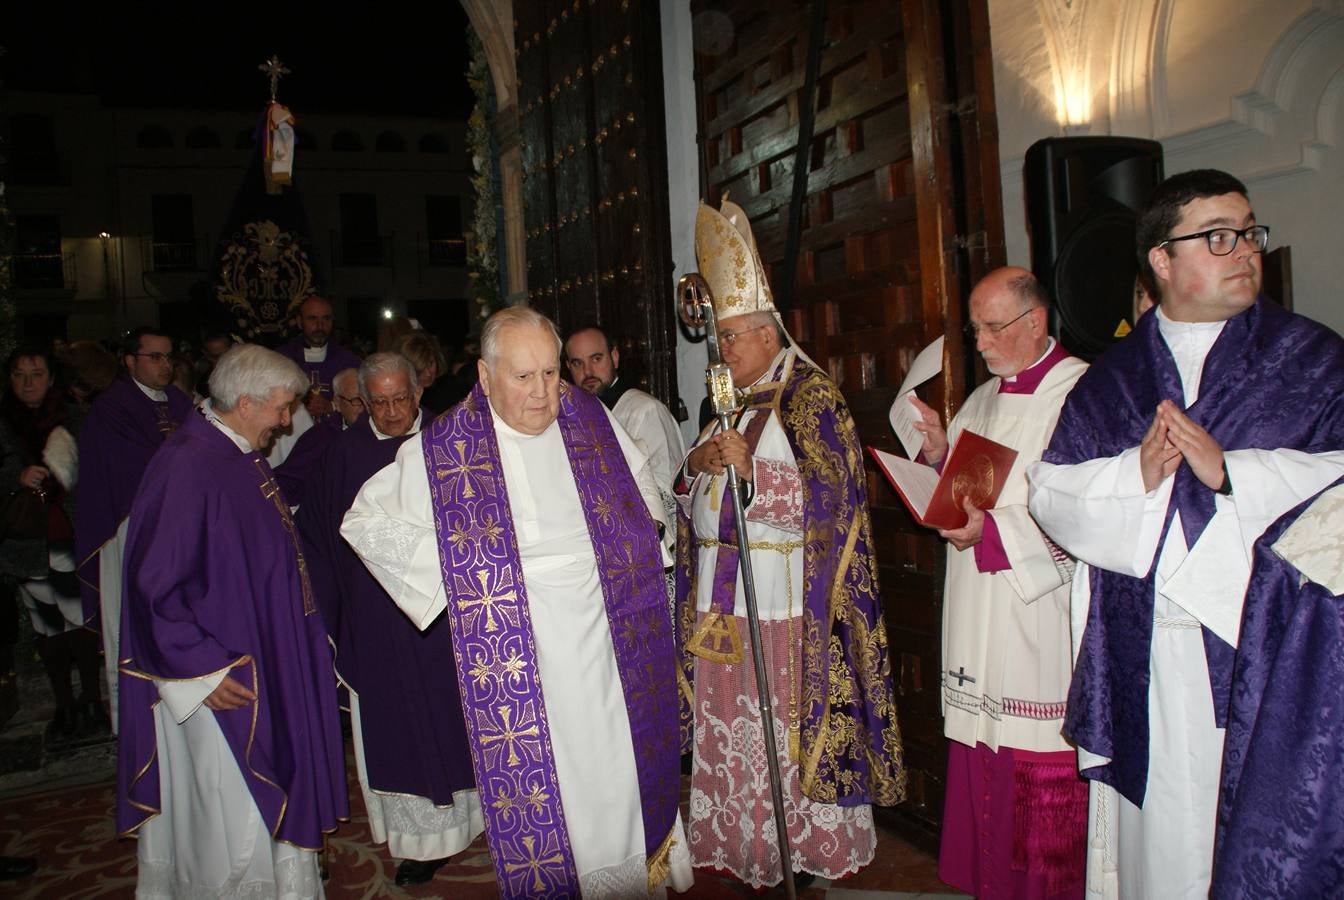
528 518
230 761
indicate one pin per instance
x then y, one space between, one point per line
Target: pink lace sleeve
779 495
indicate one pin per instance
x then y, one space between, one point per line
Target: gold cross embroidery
595 445
486 599
506 734
271 491
627 565
534 863
460 470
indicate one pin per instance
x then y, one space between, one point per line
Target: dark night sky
383 58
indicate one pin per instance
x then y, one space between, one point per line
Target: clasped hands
1173 436
727 448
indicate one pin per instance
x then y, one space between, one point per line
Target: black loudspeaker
1083 195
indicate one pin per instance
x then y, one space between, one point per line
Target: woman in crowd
424 352
38 456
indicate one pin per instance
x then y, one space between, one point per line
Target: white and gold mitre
726 251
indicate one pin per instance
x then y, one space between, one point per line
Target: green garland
482 242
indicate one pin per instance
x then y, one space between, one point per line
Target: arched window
390 142
154 137
434 142
348 141
202 138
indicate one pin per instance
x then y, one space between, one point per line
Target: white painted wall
1254 88
683 189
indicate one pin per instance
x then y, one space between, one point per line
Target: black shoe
64 726
92 718
803 880
12 867
418 871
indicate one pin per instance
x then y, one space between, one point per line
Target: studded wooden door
595 176
902 215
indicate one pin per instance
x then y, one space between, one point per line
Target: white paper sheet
903 414
916 482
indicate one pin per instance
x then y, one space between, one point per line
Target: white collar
157 396
415 426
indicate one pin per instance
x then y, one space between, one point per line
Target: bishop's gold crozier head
695 305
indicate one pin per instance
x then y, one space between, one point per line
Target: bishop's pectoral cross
271 491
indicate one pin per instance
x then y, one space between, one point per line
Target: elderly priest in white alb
527 516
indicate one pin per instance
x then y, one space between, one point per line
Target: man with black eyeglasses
411 751
126 425
1015 809
305 457
1175 451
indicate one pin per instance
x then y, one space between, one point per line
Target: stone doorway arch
493 21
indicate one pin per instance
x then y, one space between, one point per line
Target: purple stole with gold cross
495 649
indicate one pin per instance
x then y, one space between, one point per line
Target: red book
976 469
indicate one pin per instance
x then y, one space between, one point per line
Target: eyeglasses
729 338
154 357
974 331
353 401
1223 241
383 404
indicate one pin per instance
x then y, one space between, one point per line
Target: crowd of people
527 592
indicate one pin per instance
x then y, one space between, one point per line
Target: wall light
1073 98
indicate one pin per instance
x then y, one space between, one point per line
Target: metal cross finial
273 68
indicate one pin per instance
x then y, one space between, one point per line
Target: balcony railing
361 250
173 256
450 251
44 271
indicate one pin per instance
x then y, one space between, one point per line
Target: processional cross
274 69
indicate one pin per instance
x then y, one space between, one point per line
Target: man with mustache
1173 453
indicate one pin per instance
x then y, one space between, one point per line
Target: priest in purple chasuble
526 518
306 454
317 354
410 739
1173 453
127 423
796 450
230 760
1015 814
1281 801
